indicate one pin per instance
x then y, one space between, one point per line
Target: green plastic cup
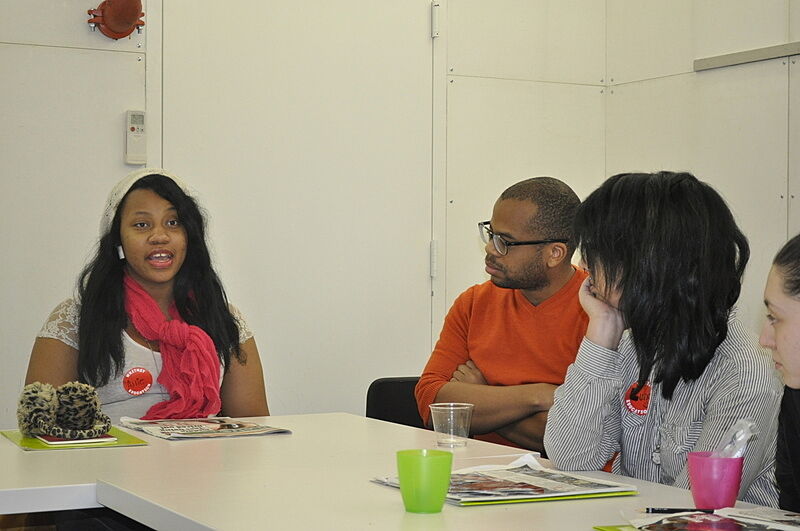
424 477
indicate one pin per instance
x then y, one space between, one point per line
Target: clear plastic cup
451 421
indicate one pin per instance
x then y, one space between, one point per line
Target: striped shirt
591 418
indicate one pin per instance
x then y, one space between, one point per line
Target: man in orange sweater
506 344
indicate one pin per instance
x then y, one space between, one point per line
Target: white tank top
135 389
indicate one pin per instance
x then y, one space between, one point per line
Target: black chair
392 399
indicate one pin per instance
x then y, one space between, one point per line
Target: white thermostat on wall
135 138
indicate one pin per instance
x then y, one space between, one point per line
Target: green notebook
31 443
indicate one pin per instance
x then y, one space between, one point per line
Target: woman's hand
606 323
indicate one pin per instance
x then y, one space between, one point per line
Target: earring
120 252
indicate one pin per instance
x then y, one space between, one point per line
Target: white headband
122 187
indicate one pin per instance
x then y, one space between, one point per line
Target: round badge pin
137 381
641 403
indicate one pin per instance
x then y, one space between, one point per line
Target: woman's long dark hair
199 296
669 244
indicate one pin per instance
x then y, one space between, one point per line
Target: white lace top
135 389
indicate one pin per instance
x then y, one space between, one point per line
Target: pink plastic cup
714 480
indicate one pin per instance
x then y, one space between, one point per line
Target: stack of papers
755 519
524 480
199 428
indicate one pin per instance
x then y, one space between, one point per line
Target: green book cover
553 498
32 443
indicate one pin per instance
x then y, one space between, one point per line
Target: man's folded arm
528 432
498 406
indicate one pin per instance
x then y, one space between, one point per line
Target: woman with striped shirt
665 367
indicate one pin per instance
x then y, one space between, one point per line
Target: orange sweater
509 339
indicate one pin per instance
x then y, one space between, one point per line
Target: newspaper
755 519
199 428
775 518
523 480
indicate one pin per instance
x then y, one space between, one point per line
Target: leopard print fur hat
71 411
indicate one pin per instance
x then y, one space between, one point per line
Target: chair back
392 399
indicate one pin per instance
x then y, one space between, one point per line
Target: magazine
524 480
199 428
758 518
775 518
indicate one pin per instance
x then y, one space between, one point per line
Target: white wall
317 141
310 141
728 126
63 97
583 90
794 154
525 98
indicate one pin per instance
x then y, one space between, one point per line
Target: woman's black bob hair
199 296
671 247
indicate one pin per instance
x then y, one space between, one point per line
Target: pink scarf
190 370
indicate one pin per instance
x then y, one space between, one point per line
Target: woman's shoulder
740 359
627 351
67 310
741 346
62 323
244 331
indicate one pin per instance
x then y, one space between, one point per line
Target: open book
199 428
524 480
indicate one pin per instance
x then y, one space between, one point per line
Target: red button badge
137 381
640 405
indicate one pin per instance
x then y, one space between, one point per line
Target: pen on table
669 510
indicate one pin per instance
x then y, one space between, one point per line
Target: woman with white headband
151 327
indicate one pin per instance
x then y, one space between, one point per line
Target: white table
315 478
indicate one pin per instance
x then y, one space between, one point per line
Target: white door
306 127
794 152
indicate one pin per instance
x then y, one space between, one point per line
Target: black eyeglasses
501 245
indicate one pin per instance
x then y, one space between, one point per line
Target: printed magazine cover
199 428
523 481
729 519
